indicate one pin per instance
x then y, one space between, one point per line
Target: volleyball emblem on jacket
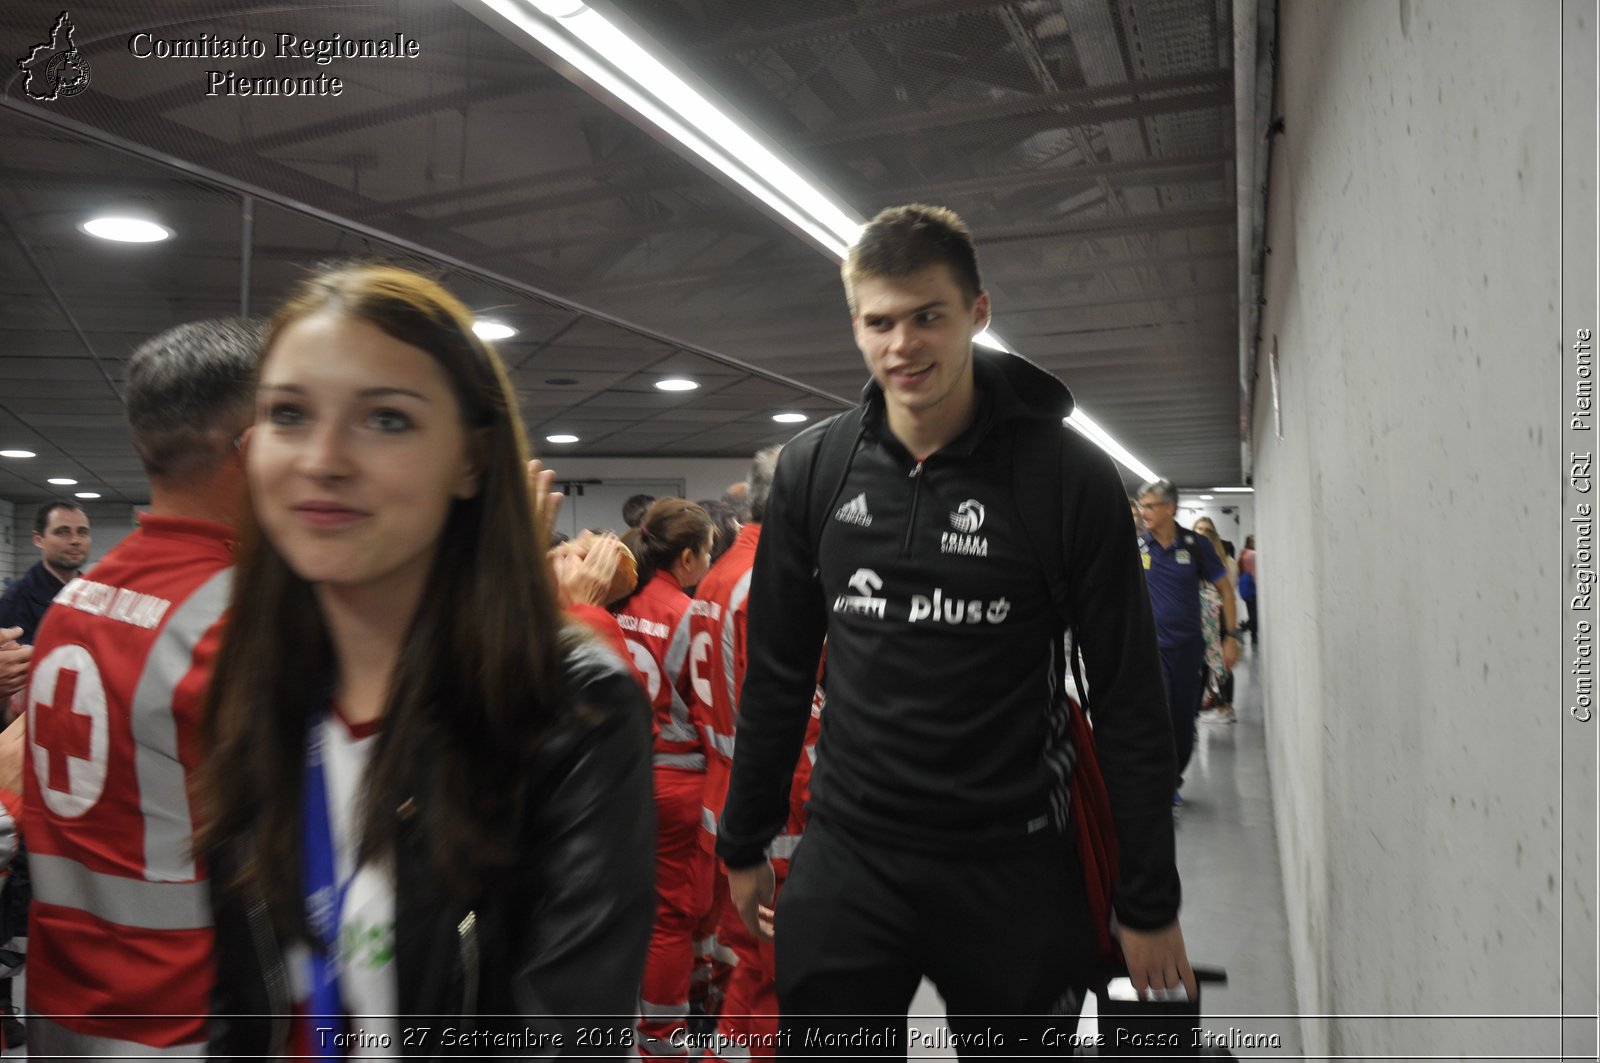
964 540
968 517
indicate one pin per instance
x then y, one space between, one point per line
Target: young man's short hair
901 241
633 510
41 516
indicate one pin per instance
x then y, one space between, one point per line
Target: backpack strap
1037 468
829 467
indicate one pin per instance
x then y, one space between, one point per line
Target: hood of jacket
1014 386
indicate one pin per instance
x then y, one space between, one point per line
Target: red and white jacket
710 683
121 920
650 620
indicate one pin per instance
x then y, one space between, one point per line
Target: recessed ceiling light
86 494
676 383
789 418
126 230
60 481
17 454
1206 498
561 439
1235 490
492 330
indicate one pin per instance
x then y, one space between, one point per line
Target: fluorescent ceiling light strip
604 51
646 71
617 63
1098 436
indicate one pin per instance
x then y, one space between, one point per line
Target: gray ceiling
1089 143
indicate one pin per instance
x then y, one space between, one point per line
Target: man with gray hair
738 496
121 937
1175 561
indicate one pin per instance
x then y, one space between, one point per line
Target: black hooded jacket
945 723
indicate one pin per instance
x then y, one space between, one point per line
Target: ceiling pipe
1254 36
247 240
61 304
1244 174
194 171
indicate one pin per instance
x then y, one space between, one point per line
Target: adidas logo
855 512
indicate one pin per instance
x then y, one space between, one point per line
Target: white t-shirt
368 981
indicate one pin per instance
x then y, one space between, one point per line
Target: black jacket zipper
273 974
467 931
911 522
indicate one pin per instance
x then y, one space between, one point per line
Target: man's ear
470 480
980 312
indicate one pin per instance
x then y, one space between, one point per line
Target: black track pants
858 925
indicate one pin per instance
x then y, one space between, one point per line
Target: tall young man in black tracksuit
939 841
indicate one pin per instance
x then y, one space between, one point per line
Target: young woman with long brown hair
1220 679
423 795
673 546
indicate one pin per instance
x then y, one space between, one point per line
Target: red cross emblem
68 731
62 731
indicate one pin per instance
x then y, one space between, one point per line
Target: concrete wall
703 477
1413 702
1232 526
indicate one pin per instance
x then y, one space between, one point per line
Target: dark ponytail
670 526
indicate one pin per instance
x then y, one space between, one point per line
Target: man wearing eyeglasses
1175 561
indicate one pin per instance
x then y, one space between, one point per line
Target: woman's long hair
479 681
670 526
1210 532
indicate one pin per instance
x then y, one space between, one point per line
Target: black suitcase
1155 1029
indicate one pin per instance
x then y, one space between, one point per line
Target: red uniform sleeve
603 623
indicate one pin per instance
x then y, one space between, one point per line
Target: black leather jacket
551 962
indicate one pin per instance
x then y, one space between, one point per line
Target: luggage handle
1203 975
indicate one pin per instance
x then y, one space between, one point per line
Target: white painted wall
703 477
1409 652
1234 515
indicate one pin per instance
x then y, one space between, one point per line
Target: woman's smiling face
358 452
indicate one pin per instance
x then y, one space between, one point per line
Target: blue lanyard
325 897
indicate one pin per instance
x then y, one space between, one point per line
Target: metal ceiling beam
1132 223
136 134
810 266
1153 171
415 107
119 142
59 180
575 198
721 219
1085 301
846 25
1092 105
1018 127
650 166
